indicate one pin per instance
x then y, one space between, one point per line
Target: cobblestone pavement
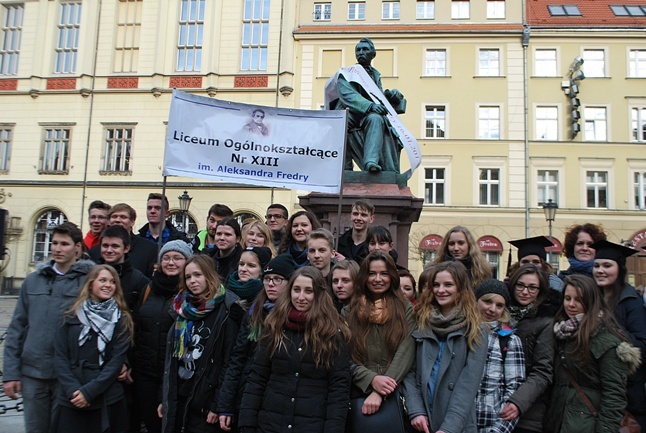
11 420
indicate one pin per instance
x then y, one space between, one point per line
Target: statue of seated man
372 142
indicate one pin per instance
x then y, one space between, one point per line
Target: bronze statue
372 142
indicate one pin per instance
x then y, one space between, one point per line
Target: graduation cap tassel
509 261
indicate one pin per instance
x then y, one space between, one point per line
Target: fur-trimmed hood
630 355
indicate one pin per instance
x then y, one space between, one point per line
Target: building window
640 190
545 63
185 223
11 33
128 34
639 124
6 136
459 10
564 10
255 35
628 10
43 229
390 10
435 63
489 123
489 63
118 150
434 181
547 183
489 187
428 256
493 257
191 35
435 121
547 123
357 11
55 152
496 9
637 63
553 260
425 10
322 11
595 124
68 38
594 63
596 184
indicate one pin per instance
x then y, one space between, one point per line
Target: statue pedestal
395 206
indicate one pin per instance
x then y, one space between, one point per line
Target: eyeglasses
275 280
275 217
531 289
167 259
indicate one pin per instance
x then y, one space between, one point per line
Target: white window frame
489 119
547 186
118 141
425 10
55 149
390 10
434 67
544 66
6 140
600 165
255 35
489 66
437 162
546 124
490 162
433 184
68 36
547 164
322 11
356 11
460 9
437 125
496 9
637 63
593 66
43 232
190 35
595 128
637 168
128 35
638 124
11 27
493 258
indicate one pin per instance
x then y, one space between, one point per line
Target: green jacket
603 382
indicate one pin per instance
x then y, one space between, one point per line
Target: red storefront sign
489 243
430 242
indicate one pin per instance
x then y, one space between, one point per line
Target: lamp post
550 214
184 204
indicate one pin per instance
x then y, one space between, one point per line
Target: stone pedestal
395 206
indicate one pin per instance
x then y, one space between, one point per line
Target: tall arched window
45 223
184 222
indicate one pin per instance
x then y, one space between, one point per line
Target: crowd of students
239 331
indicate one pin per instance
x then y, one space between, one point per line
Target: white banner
275 147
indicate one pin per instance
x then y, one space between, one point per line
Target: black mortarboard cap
611 251
532 246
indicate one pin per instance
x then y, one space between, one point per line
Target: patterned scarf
190 309
444 325
100 317
518 313
296 320
567 328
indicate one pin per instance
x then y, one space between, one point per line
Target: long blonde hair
480 267
262 228
466 300
86 290
323 326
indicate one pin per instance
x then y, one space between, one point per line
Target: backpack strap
146 293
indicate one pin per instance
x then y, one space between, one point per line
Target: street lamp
550 215
184 204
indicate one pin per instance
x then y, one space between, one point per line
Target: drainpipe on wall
525 42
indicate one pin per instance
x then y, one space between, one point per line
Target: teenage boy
320 251
44 297
98 217
206 238
352 244
157 220
276 219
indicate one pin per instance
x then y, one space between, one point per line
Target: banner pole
340 203
162 218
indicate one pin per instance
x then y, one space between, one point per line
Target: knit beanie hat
263 253
177 245
491 285
282 265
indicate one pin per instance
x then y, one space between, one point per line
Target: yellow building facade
84 98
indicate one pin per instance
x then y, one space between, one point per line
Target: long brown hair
206 265
86 290
596 315
466 300
323 326
288 239
543 283
480 267
394 304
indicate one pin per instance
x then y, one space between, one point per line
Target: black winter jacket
287 392
173 233
346 247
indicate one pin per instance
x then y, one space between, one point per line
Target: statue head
365 51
